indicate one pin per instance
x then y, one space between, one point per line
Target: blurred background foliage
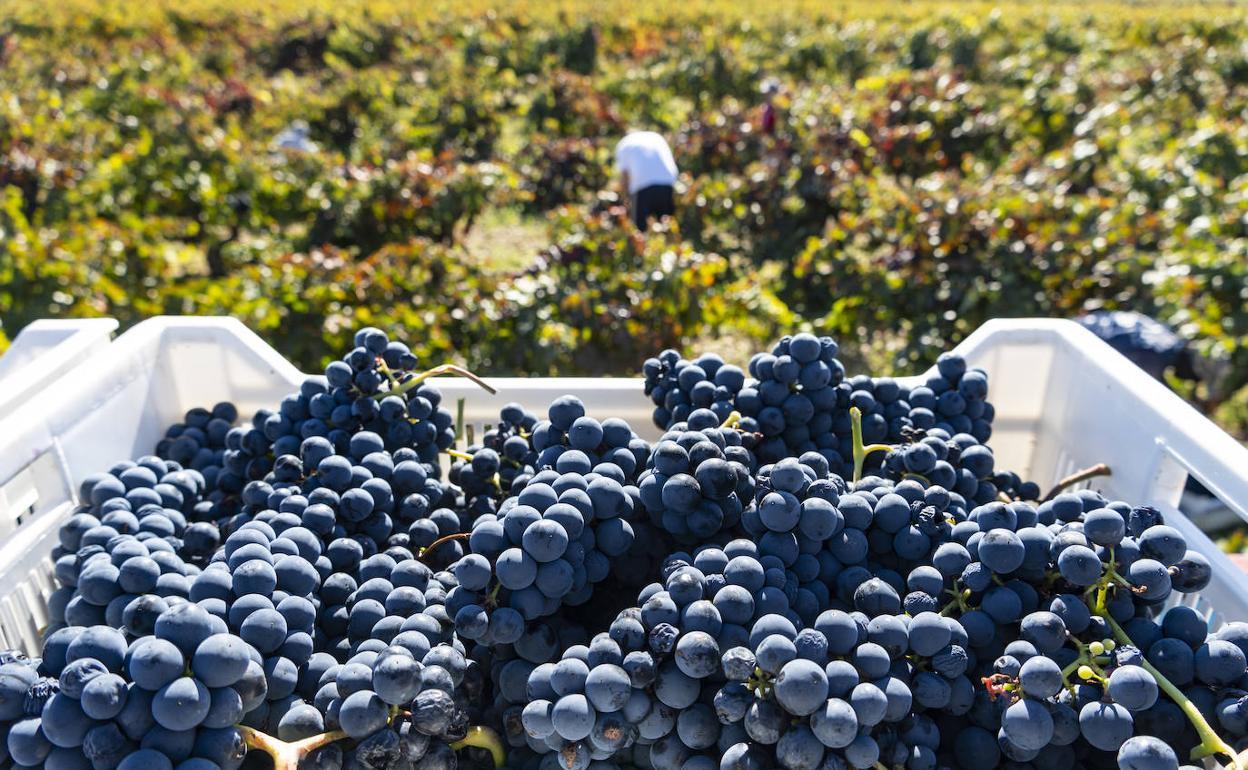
308 167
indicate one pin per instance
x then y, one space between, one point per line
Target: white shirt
646 158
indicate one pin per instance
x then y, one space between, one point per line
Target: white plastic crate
46 350
115 407
43 353
1064 400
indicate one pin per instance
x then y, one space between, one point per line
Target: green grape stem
483 738
436 371
491 599
1086 658
1072 668
860 451
958 602
760 682
386 370
1210 742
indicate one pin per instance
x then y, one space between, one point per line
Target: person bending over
648 170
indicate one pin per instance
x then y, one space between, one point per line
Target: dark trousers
654 201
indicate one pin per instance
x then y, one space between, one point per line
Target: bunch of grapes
546 549
195 638
135 536
700 669
270 635
103 698
953 400
504 459
794 398
198 441
571 442
799 401
520 445
959 463
360 503
795 520
632 684
1058 605
374 388
898 525
698 480
678 387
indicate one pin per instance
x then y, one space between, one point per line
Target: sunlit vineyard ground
935 165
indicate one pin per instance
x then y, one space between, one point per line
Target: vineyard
765 550
933 166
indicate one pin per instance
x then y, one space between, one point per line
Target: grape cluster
140 533
194 637
955 400
959 463
357 504
699 479
504 459
519 445
373 388
796 522
678 387
940 431
269 635
700 670
547 548
569 441
107 699
1048 598
198 441
794 399
629 688
799 401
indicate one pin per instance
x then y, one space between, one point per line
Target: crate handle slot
1172 462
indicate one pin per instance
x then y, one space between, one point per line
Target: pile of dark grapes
562 531
954 399
312 590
